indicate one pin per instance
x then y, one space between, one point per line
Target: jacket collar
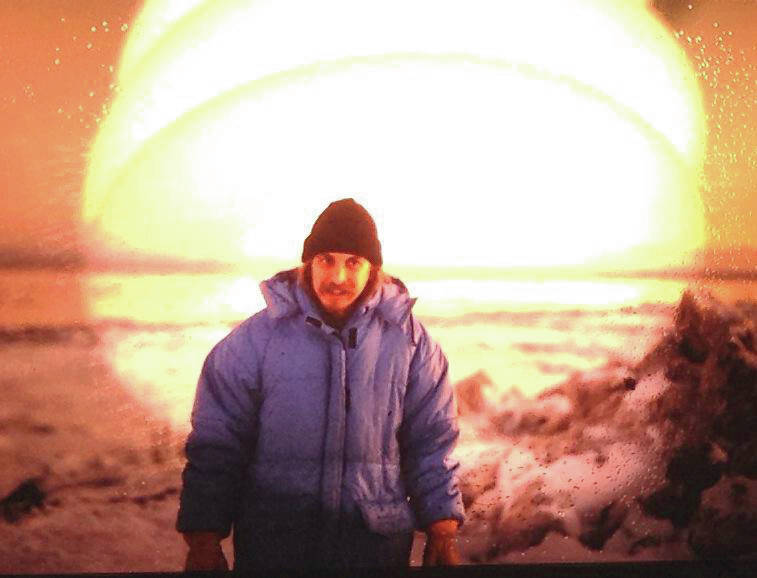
285 295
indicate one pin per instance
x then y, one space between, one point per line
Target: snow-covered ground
637 443
651 460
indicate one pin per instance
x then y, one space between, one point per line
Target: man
323 425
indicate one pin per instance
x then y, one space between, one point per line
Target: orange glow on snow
540 133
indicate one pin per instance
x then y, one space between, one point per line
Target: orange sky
42 162
724 46
49 111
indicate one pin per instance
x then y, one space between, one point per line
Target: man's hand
441 544
205 552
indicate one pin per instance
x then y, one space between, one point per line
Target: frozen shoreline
580 473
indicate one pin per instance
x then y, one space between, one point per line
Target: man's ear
305 276
307 272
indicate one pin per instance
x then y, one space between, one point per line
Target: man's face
339 279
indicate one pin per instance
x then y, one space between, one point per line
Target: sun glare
539 133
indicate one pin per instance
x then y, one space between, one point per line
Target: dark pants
298 543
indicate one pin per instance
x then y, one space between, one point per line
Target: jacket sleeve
428 435
221 440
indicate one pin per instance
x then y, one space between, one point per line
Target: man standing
323 425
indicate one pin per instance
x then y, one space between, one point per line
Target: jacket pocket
388 518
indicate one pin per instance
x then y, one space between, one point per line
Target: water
155 330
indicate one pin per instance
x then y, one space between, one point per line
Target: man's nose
341 274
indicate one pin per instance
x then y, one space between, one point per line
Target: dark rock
694 467
746 337
477 481
545 415
714 535
691 470
712 403
469 393
22 500
630 383
106 481
690 325
690 406
531 422
676 503
524 524
709 416
599 526
693 347
46 335
42 428
681 371
523 533
644 543
738 494
743 460
144 499
736 425
592 400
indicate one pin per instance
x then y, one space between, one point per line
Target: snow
646 459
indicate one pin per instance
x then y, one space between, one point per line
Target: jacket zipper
346 418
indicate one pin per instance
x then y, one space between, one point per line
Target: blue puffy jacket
304 437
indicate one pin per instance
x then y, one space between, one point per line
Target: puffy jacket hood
285 295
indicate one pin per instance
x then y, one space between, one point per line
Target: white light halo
150 83
156 152
151 80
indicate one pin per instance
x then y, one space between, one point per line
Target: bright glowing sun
548 132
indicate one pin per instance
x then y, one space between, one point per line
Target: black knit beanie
344 227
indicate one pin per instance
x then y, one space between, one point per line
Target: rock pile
659 458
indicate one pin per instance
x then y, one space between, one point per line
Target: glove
205 552
441 544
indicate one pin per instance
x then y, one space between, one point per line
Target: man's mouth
337 292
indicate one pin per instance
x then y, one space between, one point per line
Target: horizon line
136 264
